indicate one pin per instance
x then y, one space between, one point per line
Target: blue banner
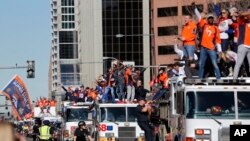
17 93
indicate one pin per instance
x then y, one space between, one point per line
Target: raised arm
196 11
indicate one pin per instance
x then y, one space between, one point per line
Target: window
68 51
68 37
164 50
67 68
188 10
167 11
68 10
203 104
68 25
68 17
67 2
167 30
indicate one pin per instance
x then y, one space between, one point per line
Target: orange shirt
52 103
40 104
209 36
127 74
189 33
244 34
163 79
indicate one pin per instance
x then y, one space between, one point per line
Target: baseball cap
210 16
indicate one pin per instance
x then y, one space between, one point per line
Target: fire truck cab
203 110
118 122
72 114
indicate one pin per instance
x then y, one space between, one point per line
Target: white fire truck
203 110
72 114
118 122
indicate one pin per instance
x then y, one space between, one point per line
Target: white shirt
224 26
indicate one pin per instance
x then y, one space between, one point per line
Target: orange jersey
52 103
189 33
210 34
244 34
127 74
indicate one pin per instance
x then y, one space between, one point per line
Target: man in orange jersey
188 37
210 39
243 35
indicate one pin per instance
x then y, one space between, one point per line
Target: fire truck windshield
204 104
113 114
244 105
76 114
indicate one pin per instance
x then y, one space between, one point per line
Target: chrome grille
224 134
126 133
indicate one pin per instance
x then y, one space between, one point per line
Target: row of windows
122 14
68 36
129 40
68 17
68 10
70 79
70 68
173 11
123 17
167 30
123 48
67 2
166 50
117 5
68 51
137 57
122 22
68 25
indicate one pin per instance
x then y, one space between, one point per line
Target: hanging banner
17 93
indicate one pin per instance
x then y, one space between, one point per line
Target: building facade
84 33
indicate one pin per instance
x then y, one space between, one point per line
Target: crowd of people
221 41
121 82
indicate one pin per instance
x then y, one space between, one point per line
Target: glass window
167 30
70 79
67 2
244 105
208 104
68 10
77 114
68 25
68 37
167 11
122 17
113 114
165 50
132 117
68 51
68 17
67 68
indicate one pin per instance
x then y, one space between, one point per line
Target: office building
84 36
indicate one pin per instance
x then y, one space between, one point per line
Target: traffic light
31 69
